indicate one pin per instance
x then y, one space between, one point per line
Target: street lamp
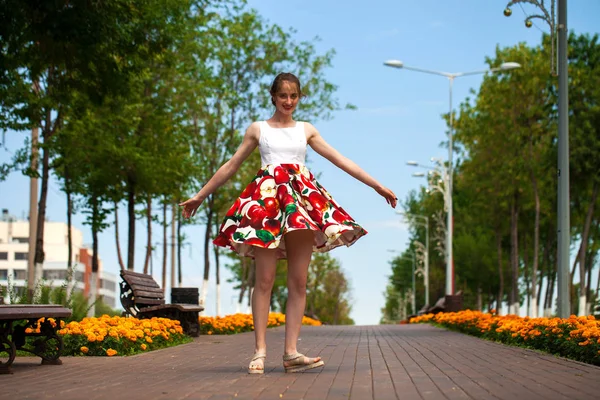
413 294
451 76
558 27
422 252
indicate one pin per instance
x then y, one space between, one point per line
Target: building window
109 301
20 274
54 274
3 274
3 255
21 256
20 240
78 276
106 284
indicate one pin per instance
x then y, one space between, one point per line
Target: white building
14 249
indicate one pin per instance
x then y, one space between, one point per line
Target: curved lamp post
558 28
451 76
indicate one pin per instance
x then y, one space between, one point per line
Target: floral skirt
283 198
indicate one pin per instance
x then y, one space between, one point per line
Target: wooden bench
48 346
141 297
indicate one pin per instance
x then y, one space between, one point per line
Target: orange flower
111 352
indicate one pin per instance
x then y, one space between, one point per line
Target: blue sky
398 117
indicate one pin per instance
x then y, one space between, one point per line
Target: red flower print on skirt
282 198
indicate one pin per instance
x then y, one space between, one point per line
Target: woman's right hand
191 206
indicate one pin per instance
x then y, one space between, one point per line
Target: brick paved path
364 362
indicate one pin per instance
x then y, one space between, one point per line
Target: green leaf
265 236
305 191
327 215
290 208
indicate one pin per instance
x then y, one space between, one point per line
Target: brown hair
285 76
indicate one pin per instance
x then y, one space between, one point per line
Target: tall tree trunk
244 284
217 270
173 243
583 250
70 267
148 232
179 246
550 307
39 241
546 264
526 275
250 289
117 241
164 249
533 312
589 295
207 235
131 187
514 254
500 271
95 261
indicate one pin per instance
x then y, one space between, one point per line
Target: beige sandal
297 363
254 367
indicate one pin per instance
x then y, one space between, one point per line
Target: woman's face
286 98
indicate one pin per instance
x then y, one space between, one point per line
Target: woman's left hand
389 196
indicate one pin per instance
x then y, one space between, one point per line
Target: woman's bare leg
298 246
261 299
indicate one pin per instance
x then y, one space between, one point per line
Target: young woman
284 213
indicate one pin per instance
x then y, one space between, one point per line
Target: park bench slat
15 312
180 307
48 343
134 280
148 292
148 300
142 297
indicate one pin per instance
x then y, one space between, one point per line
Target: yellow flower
111 352
143 346
84 349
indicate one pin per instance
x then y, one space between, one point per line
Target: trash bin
453 303
184 295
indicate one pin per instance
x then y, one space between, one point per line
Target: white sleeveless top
282 145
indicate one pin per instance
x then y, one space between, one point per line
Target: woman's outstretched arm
318 144
226 171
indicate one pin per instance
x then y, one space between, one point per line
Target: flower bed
237 323
577 338
109 336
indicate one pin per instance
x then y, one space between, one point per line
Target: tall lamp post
424 252
451 76
413 294
563 211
